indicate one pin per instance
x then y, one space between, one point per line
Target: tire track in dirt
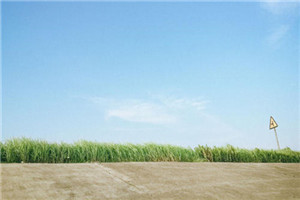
123 178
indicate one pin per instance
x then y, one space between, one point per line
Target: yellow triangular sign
273 124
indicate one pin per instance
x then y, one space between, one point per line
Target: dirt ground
160 180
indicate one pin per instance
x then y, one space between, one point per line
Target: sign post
273 125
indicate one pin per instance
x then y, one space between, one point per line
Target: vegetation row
37 151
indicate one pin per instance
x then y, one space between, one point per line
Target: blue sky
177 73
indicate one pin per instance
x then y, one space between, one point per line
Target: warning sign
273 124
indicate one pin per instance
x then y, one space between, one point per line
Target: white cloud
142 112
282 14
277 35
280 7
197 103
165 119
156 110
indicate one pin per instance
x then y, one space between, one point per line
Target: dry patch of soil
159 180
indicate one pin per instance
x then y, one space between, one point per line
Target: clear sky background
177 73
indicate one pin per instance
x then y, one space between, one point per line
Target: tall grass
231 154
37 151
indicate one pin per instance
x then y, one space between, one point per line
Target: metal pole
277 139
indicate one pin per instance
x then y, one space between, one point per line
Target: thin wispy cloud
280 7
154 110
282 13
142 112
179 103
168 114
277 35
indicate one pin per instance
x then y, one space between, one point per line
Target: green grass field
37 151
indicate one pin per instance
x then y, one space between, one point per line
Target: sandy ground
150 181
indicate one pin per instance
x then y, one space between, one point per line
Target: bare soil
159 180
